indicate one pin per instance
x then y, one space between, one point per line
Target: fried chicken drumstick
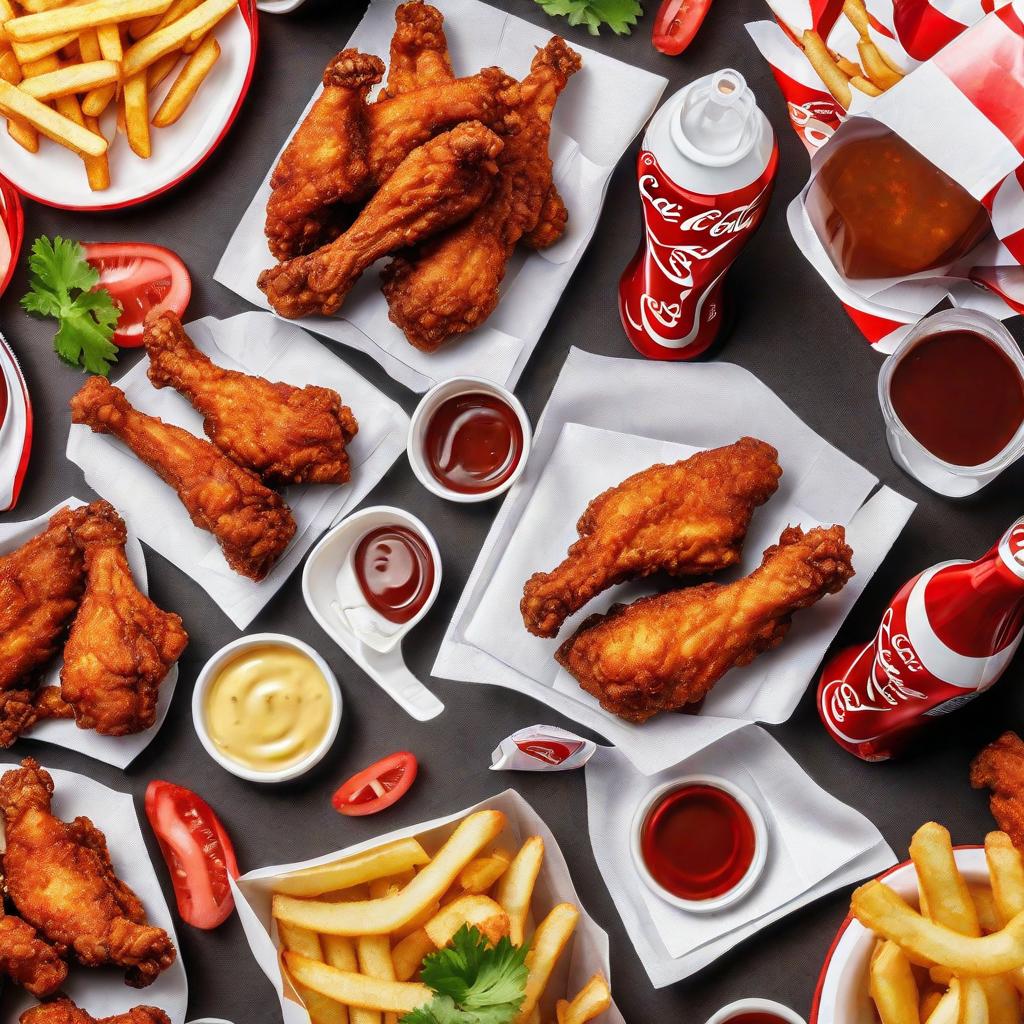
27 960
251 523
284 434
64 1011
1000 768
437 185
60 879
686 519
663 652
452 285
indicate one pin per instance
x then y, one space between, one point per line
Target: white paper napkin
103 992
815 845
603 108
588 950
259 344
584 444
119 751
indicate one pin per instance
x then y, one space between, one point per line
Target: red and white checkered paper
962 108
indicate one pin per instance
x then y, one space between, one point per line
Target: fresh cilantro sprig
62 285
619 15
473 982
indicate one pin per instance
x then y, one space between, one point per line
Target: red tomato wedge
197 850
676 23
139 277
377 787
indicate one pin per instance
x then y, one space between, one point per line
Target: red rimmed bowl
12 232
55 176
842 993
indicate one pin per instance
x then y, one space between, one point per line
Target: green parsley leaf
474 982
61 286
619 15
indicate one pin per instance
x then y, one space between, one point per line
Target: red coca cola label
670 294
553 752
813 113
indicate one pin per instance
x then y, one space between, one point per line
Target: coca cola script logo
1015 542
814 120
550 752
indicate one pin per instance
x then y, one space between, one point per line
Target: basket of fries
939 938
359 928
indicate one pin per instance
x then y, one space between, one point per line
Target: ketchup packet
542 748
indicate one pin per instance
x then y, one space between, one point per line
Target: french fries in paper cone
488 837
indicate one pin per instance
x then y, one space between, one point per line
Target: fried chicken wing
60 879
285 434
27 960
439 183
452 284
686 519
251 523
325 162
419 50
663 652
64 1011
1000 768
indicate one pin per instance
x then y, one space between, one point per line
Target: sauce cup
206 679
421 418
745 883
766 1007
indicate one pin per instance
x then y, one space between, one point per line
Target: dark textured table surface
790 331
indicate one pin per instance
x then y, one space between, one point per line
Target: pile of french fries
64 62
872 74
960 959
354 933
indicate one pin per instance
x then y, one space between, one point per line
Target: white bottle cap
717 123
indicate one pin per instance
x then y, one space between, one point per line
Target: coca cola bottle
705 170
946 637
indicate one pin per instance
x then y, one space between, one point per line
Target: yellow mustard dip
268 708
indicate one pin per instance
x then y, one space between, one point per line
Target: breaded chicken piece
27 960
251 523
1000 768
64 1011
551 224
419 50
438 184
286 435
664 652
60 879
687 519
325 162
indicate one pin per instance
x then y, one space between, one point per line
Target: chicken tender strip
419 50
251 523
663 652
1000 768
64 1011
27 960
687 519
438 184
284 434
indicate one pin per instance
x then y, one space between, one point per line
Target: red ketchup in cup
395 571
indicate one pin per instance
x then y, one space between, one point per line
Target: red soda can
706 170
945 638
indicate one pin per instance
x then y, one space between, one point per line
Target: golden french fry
416 923
136 115
861 84
857 14
97 100
97 168
407 954
109 39
835 80
849 67
1006 875
357 989
985 906
374 954
1002 1000
89 46
71 80
480 874
34 6
159 70
945 892
892 986
73 19
29 52
592 1000
17 104
929 1002
187 84
973 1004
549 940
322 1009
947 1010
10 69
193 42
23 134
43 66
876 68
515 887
479 911
177 10
380 917
6 13
340 952
880 909
561 1008
174 36
381 862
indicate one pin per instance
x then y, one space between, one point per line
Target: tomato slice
139 277
197 850
377 787
676 23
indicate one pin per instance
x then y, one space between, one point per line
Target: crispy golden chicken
286 435
452 284
686 519
663 652
1000 768
325 163
121 645
61 881
251 523
419 50
437 185
551 224
64 1011
27 960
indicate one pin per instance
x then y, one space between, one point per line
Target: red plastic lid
12 231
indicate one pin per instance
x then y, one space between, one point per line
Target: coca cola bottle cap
717 123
